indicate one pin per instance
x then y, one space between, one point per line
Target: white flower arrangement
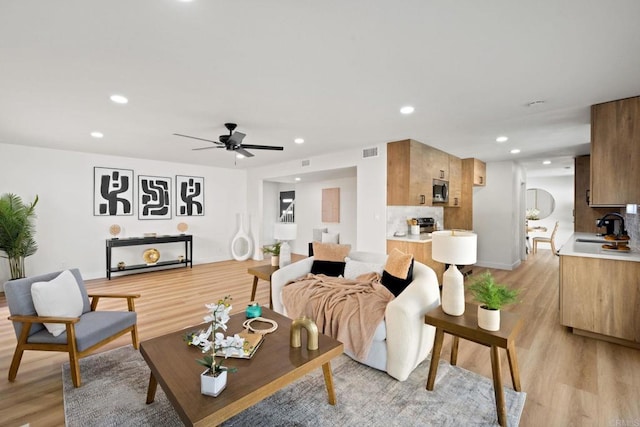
213 342
533 214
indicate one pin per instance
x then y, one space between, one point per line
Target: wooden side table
263 272
466 326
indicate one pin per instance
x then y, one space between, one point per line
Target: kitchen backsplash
632 224
397 216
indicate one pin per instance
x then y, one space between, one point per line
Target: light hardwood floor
569 380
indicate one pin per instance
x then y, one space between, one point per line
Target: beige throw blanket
347 310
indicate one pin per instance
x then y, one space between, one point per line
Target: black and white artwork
154 197
112 191
189 195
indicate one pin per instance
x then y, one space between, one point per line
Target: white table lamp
454 247
285 231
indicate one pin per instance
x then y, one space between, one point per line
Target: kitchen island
600 290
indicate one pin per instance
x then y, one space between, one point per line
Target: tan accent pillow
398 263
330 251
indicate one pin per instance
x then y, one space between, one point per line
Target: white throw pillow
353 268
330 237
59 297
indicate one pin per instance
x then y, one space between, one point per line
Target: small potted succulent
492 297
274 250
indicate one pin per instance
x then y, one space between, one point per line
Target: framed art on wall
112 191
189 195
154 197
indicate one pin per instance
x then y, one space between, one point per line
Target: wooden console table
138 241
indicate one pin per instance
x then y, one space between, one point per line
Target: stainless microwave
440 191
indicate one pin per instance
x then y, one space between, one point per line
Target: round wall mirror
540 203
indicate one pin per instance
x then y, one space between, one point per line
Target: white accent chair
402 340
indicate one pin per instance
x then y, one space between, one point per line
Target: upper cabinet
455 181
479 173
437 163
585 216
615 150
408 182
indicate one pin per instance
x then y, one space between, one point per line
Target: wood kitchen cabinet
615 150
585 215
462 217
479 173
599 298
455 181
421 252
437 163
407 181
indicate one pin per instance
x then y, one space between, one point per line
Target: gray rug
115 387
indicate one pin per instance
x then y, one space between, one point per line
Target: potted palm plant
16 232
492 297
274 250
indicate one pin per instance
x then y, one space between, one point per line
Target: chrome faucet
601 223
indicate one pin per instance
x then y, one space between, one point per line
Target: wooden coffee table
466 326
274 365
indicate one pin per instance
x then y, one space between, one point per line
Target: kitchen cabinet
479 173
455 181
461 217
598 298
437 163
585 215
407 182
615 150
421 252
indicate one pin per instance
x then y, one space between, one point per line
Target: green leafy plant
490 294
272 249
16 232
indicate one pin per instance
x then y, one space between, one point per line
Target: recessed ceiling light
119 99
97 134
407 109
298 141
514 151
297 178
546 162
502 139
239 156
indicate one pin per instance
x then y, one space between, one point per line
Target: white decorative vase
275 260
241 245
488 319
213 385
285 254
453 291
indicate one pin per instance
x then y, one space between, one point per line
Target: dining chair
550 240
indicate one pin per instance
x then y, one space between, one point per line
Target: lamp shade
454 247
285 231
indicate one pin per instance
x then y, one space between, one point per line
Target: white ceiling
332 72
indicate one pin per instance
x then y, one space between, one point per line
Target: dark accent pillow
397 284
328 268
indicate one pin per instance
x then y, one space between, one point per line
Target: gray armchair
83 334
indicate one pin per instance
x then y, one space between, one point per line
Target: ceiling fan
233 142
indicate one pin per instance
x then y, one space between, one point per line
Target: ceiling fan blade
262 147
244 152
236 138
204 148
195 137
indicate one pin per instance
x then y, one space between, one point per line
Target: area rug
114 389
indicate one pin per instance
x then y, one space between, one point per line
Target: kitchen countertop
594 250
417 238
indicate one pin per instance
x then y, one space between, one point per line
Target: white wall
498 216
370 189
562 190
67 233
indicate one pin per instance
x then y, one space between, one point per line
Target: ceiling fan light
239 156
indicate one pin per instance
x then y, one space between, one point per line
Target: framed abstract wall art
189 195
112 191
154 197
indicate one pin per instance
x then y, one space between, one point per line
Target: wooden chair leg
15 363
74 363
134 337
